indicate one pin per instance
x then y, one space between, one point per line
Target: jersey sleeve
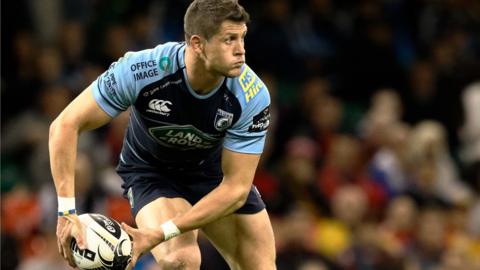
114 89
248 134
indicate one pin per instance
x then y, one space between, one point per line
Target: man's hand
68 227
143 241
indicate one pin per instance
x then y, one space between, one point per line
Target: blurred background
373 155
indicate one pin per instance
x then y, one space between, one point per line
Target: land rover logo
183 137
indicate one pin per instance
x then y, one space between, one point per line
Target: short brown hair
204 17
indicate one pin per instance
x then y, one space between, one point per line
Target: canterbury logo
160 105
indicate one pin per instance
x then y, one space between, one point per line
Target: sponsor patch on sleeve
260 121
110 83
250 83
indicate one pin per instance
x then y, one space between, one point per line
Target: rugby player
198 121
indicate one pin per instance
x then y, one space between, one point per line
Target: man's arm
239 171
81 114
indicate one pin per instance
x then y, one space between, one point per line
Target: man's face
224 53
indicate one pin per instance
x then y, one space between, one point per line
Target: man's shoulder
149 65
163 56
248 87
119 86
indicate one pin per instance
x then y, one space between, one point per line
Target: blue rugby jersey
173 127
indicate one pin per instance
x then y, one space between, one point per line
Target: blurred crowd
372 159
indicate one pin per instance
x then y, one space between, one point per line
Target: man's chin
234 72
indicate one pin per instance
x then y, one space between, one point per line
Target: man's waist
168 161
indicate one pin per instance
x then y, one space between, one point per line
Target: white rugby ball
108 245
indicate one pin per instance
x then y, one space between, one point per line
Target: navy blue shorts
143 187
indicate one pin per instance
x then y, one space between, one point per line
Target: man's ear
196 44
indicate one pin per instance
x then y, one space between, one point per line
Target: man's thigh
182 247
244 240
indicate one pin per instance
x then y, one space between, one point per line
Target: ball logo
110 228
108 224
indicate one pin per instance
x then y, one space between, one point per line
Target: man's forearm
223 200
63 151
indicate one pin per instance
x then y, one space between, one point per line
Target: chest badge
223 120
159 106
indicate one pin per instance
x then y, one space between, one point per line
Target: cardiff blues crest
223 120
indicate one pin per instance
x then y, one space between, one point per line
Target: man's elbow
60 126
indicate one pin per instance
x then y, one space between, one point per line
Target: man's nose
240 48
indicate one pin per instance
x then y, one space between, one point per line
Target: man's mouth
238 64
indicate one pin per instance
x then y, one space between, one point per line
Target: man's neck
200 79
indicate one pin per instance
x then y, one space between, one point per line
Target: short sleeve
248 134
114 89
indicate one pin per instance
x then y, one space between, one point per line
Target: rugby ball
108 245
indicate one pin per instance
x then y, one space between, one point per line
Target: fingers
66 228
80 236
131 231
134 259
65 239
59 243
127 228
78 231
60 227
